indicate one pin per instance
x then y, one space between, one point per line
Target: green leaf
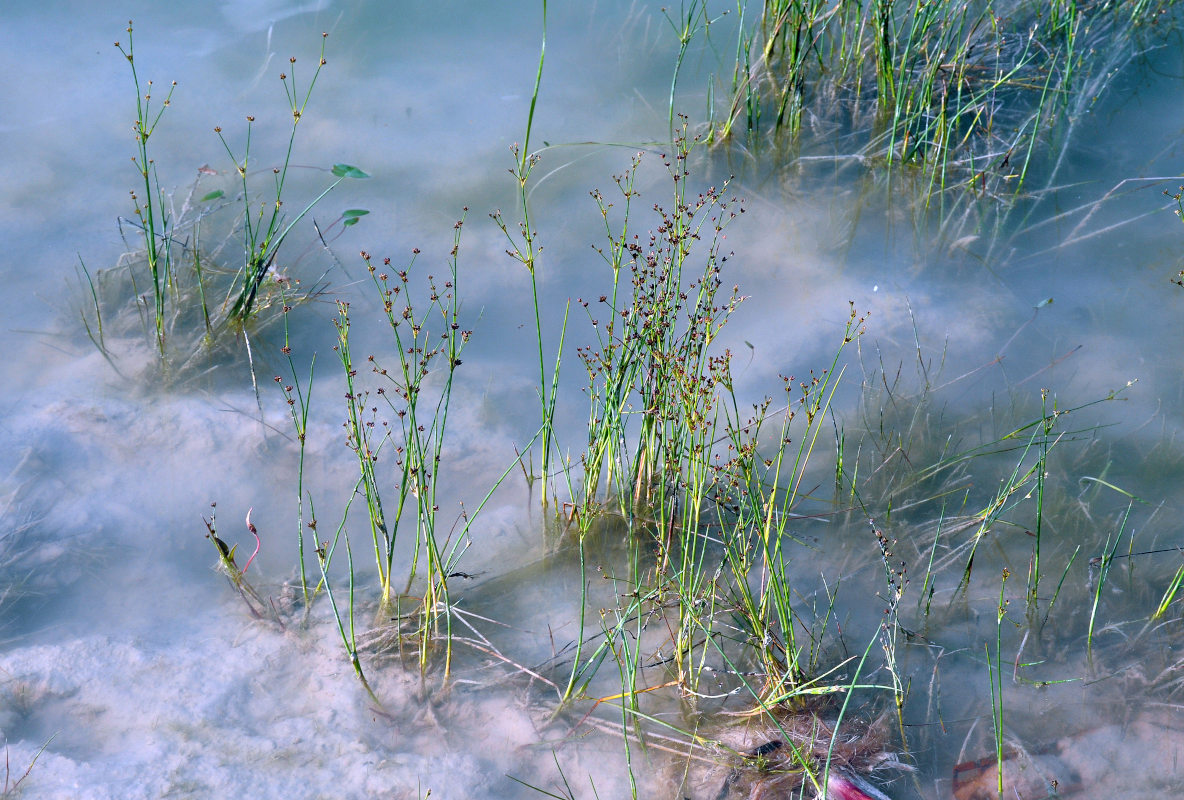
354 213
213 196
347 171
349 221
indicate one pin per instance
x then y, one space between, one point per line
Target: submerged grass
11 787
708 496
968 104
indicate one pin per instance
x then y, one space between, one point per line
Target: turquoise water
148 676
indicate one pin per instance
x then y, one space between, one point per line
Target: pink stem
254 533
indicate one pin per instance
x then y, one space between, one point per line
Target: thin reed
426 338
523 246
151 208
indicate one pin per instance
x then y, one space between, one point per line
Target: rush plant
399 417
182 268
153 216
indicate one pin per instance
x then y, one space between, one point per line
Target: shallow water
147 674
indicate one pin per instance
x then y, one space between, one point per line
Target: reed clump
708 488
395 420
181 281
976 96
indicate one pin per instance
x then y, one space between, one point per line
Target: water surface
147 674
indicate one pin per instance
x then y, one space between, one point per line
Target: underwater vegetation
967 107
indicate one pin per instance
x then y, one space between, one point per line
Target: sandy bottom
259 713
1139 757
123 649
